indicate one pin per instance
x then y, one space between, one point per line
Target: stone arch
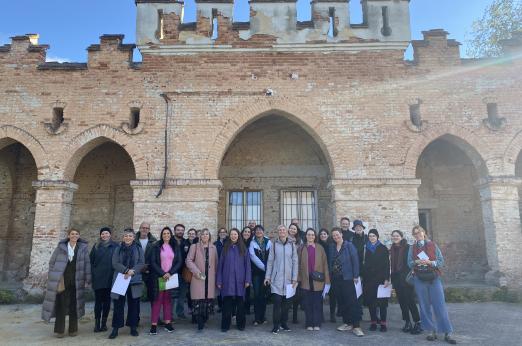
464 139
512 153
240 117
86 141
10 134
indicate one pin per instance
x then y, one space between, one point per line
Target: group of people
292 269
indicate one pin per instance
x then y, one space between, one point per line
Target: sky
69 27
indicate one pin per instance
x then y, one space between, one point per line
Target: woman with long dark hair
202 261
405 292
247 234
295 236
234 275
325 241
164 263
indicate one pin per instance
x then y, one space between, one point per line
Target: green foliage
7 297
505 295
500 20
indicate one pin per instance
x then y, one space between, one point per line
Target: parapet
436 50
24 49
160 28
110 52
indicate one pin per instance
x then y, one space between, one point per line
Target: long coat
57 265
234 271
155 268
321 265
101 265
196 264
282 266
136 284
376 270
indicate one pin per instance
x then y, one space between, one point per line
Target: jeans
281 307
347 299
313 305
431 295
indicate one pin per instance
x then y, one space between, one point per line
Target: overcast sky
69 27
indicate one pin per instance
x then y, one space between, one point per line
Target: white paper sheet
326 289
173 282
358 288
384 292
121 284
290 291
422 255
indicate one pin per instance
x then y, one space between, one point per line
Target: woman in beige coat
202 261
314 279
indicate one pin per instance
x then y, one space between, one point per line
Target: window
244 206
300 204
425 220
58 119
134 119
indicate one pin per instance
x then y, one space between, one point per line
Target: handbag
409 277
425 273
317 276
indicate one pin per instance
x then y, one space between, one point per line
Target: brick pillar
500 210
386 204
52 217
192 202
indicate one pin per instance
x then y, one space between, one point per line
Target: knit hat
358 223
104 229
374 231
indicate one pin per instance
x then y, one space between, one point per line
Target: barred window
300 204
244 206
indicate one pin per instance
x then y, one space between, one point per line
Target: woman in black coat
405 292
102 272
376 271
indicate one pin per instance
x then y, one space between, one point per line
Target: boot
114 333
103 326
416 329
407 327
97 328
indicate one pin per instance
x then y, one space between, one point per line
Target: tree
500 20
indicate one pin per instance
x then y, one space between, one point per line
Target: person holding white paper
314 279
165 261
281 270
376 271
128 259
428 286
343 265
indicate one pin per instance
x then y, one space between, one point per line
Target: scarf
372 247
127 255
70 251
103 243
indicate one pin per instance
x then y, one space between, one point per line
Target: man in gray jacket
281 271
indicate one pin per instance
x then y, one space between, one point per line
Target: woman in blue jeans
426 260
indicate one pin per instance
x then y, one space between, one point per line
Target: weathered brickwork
269 105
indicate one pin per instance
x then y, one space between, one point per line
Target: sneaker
449 339
344 328
317 328
285 328
256 323
169 328
275 330
310 328
431 337
153 330
358 332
